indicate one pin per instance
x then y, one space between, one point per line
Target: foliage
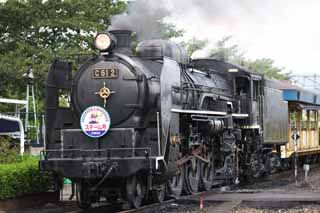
54 24
194 44
169 30
35 32
234 54
266 66
224 51
8 152
23 178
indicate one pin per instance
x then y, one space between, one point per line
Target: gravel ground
284 184
175 207
297 209
288 183
190 207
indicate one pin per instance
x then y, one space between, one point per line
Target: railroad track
182 200
151 207
275 180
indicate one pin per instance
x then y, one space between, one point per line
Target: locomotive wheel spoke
194 175
135 191
82 195
176 182
158 194
207 174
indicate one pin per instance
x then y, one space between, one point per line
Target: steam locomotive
140 126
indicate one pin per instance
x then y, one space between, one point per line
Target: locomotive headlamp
105 41
102 41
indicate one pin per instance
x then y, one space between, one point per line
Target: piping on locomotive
140 126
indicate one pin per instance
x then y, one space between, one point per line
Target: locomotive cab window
242 86
255 90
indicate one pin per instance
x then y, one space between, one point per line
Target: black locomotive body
176 125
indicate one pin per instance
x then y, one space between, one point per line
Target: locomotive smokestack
123 41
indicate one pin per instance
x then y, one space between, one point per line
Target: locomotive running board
198 112
237 115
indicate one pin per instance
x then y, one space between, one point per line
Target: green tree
231 52
36 31
169 30
266 66
54 24
226 50
194 45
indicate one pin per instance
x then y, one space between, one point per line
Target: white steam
269 28
143 17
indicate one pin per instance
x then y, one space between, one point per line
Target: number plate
105 73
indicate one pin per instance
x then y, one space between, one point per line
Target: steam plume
143 17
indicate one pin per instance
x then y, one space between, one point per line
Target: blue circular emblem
95 121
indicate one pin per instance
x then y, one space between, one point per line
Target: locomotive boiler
138 126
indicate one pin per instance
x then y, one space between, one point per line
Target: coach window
293 119
312 120
304 120
304 128
318 125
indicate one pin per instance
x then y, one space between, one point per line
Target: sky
288 31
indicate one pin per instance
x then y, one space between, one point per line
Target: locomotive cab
248 90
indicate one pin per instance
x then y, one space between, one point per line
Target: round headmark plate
95 121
